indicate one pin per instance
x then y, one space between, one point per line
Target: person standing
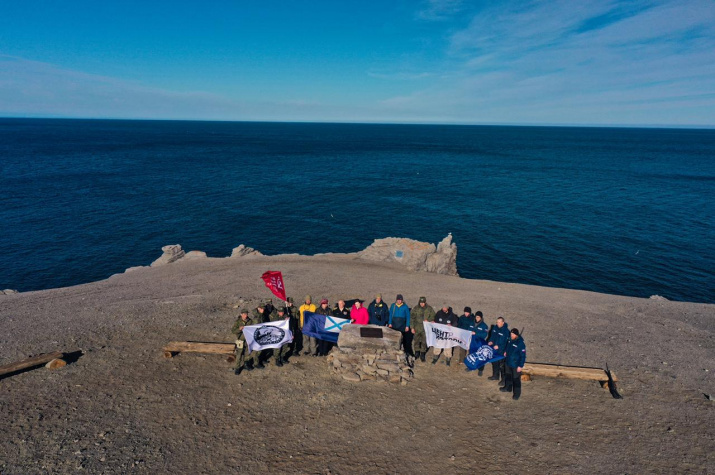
378 311
323 346
243 360
481 331
420 314
260 315
498 338
341 311
358 314
515 359
400 321
294 315
465 322
310 344
279 353
445 316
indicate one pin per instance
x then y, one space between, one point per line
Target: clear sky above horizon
441 61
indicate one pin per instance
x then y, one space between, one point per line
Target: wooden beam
571 372
30 362
198 347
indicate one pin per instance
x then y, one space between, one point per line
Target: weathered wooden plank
571 372
198 347
30 362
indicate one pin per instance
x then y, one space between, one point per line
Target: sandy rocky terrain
123 408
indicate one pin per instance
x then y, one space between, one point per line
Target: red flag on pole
274 281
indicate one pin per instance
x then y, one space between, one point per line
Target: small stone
351 377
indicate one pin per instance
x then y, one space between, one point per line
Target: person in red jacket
358 314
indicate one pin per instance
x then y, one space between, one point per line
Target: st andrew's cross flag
274 281
326 328
447 336
268 335
481 354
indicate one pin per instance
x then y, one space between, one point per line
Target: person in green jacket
294 314
243 360
279 353
419 314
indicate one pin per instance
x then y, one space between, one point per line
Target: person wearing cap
481 331
323 346
498 338
515 359
445 316
309 343
294 316
260 315
243 359
358 314
279 353
378 311
400 321
465 322
418 315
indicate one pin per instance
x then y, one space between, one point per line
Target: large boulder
195 255
350 338
415 255
172 253
243 251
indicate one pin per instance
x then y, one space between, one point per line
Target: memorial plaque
371 333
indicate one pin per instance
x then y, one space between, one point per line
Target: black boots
422 356
279 362
249 365
237 371
260 365
448 360
434 360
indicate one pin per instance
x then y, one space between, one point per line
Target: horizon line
339 122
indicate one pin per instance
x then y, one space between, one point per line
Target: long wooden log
30 362
571 372
198 347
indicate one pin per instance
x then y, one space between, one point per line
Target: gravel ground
123 408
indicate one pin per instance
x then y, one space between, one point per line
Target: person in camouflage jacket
420 313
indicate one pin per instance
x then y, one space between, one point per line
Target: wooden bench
570 372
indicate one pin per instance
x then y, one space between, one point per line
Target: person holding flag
294 314
242 362
310 344
420 314
323 346
278 353
498 338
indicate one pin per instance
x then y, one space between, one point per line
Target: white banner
446 336
268 335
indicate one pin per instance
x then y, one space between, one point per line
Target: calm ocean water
622 211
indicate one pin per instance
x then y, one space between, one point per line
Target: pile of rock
415 255
171 253
370 352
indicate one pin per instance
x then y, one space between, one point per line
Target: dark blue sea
621 211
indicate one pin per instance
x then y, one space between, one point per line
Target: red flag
274 281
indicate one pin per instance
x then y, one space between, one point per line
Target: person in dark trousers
481 331
465 322
379 311
324 346
515 359
498 338
400 321
445 316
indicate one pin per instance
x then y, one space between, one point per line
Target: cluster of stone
8 292
358 357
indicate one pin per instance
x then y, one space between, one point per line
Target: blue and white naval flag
322 327
446 336
268 335
335 324
481 354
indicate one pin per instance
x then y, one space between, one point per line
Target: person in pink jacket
358 314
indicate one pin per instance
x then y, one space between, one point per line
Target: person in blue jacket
400 321
481 331
378 311
515 359
498 338
465 322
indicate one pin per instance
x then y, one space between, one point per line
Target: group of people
397 316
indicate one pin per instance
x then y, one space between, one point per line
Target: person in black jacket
498 338
465 322
379 311
445 316
324 347
515 359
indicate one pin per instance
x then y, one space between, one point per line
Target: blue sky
441 61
